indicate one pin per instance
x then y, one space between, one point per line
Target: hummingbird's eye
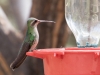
33 23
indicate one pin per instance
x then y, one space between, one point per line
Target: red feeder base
69 61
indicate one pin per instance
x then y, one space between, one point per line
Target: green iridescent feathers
30 35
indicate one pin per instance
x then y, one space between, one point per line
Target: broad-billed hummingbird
30 41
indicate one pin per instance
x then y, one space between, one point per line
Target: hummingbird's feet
31 50
61 46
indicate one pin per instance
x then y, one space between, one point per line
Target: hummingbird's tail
21 56
15 64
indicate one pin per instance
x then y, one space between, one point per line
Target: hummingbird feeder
83 18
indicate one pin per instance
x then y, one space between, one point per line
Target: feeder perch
69 61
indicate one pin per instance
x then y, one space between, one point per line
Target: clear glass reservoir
83 18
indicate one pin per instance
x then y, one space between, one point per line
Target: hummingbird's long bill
46 21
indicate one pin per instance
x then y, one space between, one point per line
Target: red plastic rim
61 51
69 61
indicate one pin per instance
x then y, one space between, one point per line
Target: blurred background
13 18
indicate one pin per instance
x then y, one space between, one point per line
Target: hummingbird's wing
21 55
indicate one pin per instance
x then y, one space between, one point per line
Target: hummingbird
30 41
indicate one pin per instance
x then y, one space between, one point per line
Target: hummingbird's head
33 21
